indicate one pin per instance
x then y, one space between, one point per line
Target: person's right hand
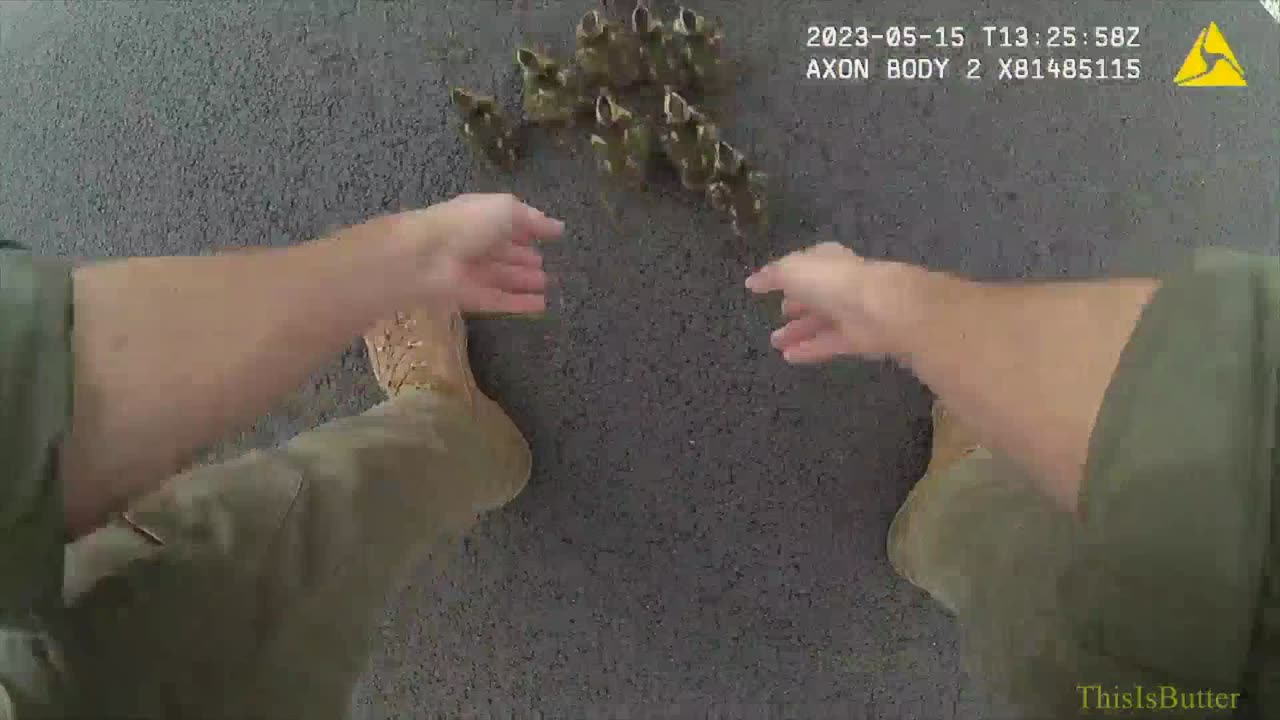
838 303
479 251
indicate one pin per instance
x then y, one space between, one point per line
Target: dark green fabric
1178 566
35 408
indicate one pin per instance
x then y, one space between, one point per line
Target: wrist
911 295
353 275
386 256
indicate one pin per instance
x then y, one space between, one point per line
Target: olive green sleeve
35 407
1178 498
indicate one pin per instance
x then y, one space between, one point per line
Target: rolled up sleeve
1178 496
35 407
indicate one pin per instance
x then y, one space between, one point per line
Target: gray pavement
705 526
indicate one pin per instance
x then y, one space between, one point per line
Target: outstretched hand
837 303
480 252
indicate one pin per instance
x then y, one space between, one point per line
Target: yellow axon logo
1210 62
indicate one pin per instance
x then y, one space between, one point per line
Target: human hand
838 303
478 251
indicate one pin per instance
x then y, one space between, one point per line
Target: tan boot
953 441
422 349
426 350
976 534
909 536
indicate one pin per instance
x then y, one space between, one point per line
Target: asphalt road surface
704 531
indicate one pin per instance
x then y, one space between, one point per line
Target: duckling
552 94
623 143
661 50
608 55
702 41
738 190
485 128
689 140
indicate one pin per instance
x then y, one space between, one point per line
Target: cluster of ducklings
610 60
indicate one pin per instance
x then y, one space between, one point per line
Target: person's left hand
478 251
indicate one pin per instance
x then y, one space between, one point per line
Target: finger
765 280
822 348
794 308
511 254
773 276
799 330
494 300
511 278
532 225
788 269
522 255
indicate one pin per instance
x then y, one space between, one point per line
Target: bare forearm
1026 365
173 353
